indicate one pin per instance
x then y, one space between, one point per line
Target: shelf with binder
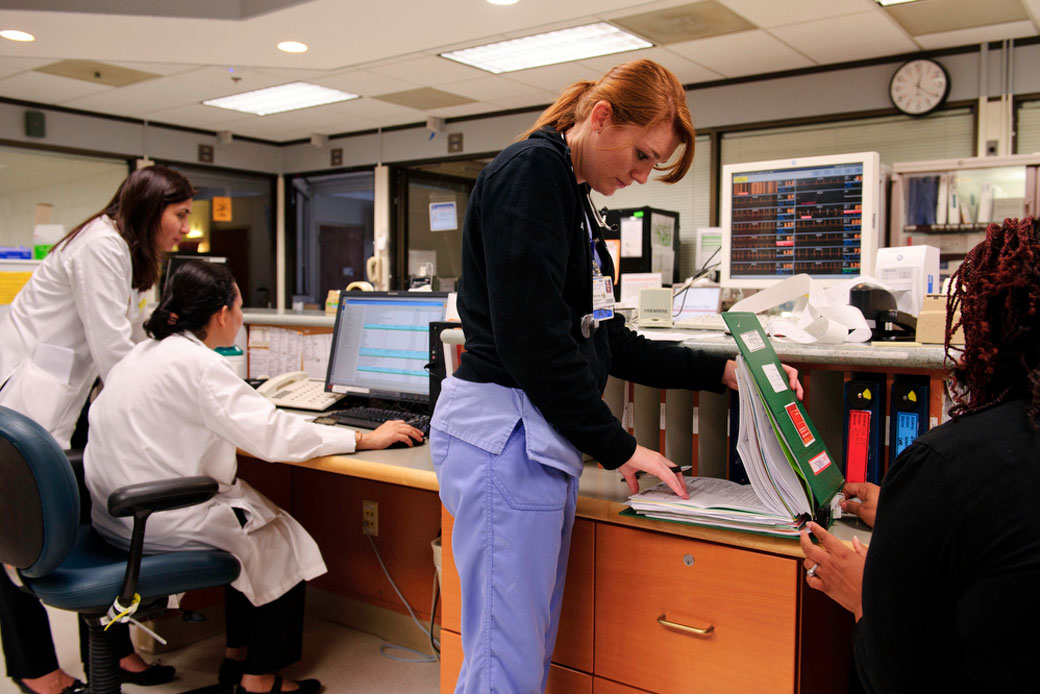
949 203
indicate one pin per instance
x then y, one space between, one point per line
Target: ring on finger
811 571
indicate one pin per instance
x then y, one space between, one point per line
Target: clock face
919 86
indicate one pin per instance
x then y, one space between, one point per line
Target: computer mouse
402 444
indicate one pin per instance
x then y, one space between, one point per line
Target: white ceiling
374 48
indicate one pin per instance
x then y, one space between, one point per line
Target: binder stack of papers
715 503
792 476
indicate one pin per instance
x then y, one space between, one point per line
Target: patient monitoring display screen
381 344
787 221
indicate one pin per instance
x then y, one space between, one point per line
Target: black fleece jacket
526 283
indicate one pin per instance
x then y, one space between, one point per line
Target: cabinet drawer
602 686
747 599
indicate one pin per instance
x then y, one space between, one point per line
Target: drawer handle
696 631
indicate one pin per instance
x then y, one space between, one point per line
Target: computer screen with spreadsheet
381 344
820 216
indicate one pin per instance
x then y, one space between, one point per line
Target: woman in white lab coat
69 325
174 407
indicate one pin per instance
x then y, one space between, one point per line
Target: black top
953 569
526 283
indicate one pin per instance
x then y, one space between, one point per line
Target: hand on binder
865 505
729 377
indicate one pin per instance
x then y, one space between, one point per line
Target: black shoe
76 687
152 675
304 687
230 672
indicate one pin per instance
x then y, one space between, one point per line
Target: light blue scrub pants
513 523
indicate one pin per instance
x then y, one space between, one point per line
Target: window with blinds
690 197
943 135
1027 140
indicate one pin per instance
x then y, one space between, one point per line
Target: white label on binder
753 340
775 379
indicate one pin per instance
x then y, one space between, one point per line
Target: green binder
819 472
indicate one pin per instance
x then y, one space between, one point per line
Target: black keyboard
372 417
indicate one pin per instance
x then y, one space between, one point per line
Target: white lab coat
70 323
175 408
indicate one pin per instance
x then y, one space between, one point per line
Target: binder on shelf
864 427
908 413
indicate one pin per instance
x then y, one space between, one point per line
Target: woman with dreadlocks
947 600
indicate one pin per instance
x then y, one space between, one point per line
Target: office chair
69 566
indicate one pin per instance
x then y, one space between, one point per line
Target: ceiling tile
157 68
782 12
424 98
430 70
96 72
736 55
554 78
192 86
852 37
687 71
696 20
962 37
47 89
463 110
365 83
486 88
193 116
12 65
525 100
939 16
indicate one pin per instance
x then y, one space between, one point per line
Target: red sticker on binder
800 424
819 462
858 445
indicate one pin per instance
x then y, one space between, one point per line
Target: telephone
298 391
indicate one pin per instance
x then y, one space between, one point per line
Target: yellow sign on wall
221 209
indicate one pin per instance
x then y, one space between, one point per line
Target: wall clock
919 87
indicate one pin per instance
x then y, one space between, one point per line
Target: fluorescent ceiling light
502 2
287 97
292 47
15 35
554 47
885 3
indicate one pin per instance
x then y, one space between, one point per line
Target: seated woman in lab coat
175 407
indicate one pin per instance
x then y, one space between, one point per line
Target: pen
674 468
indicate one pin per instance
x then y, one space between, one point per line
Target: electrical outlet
370 518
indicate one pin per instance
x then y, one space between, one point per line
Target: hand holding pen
646 460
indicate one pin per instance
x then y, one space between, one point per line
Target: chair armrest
160 495
140 501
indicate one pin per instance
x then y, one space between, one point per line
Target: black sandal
310 686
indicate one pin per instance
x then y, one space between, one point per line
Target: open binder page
768 463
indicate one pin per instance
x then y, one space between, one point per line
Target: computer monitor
820 216
174 261
381 345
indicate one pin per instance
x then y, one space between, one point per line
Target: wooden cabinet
630 593
677 614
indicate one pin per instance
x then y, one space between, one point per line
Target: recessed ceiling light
292 47
15 35
287 97
577 43
885 3
502 2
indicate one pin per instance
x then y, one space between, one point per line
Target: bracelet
357 438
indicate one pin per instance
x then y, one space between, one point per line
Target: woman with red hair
947 599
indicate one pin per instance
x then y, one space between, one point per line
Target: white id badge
602 297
